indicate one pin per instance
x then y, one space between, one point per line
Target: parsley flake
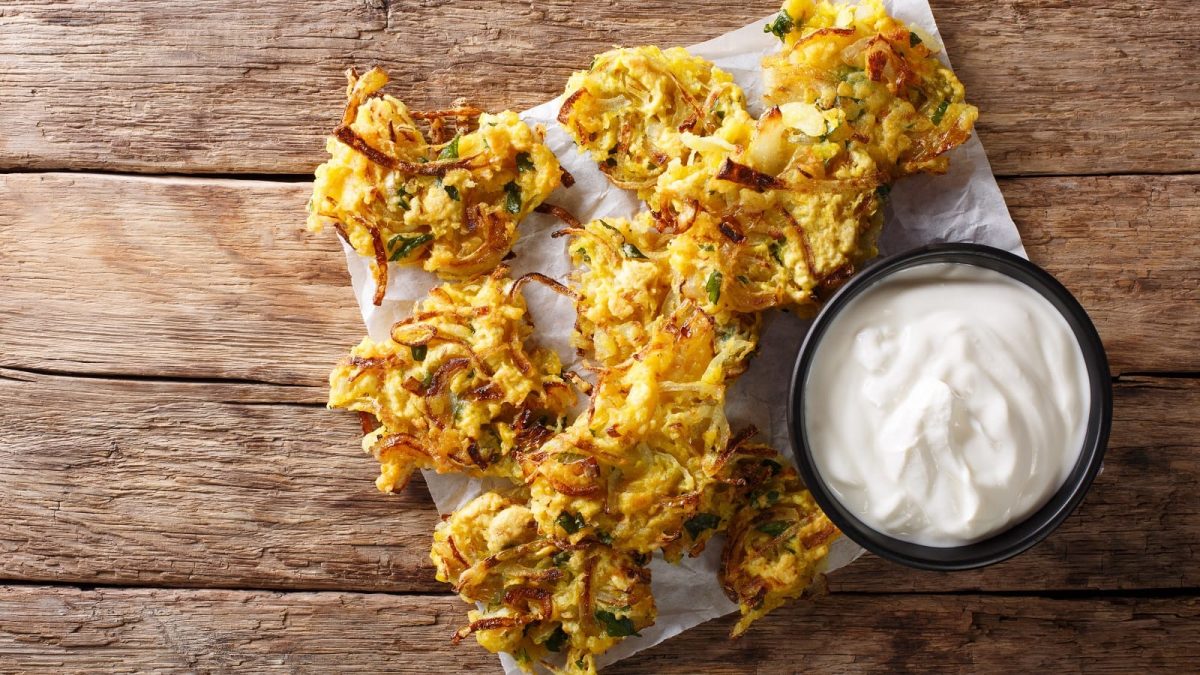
451 149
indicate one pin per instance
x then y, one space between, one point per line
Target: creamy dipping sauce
945 403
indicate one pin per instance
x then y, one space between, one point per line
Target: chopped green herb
701 522
524 163
828 131
571 522
772 497
616 626
707 247
776 249
721 114
781 26
580 662
713 286
940 112
406 245
452 192
451 149
742 278
419 352
604 537
561 558
556 640
913 39
775 467
512 197
584 254
605 223
402 197
427 380
773 528
522 655
632 251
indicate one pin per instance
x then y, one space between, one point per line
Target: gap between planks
1045 593
294 178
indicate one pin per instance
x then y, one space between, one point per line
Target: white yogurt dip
945 403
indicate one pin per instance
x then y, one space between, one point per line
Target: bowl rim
1035 527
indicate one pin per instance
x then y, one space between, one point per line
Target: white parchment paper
965 205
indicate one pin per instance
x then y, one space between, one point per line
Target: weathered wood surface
170 277
177 277
1065 87
247 486
65 629
164 341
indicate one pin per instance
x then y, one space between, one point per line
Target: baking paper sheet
965 205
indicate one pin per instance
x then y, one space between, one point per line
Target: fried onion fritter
539 595
865 88
451 207
777 539
630 471
632 107
628 281
457 387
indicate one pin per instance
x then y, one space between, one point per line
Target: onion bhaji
457 386
777 538
631 109
630 471
630 278
451 206
539 595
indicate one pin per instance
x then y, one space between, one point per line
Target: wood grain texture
189 484
176 277
65 629
170 277
1065 87
248 486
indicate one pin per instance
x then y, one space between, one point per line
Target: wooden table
173 494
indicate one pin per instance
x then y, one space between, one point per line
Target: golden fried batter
457 387
541 595
632 470
778 537
865 90
452 207
630 278
632 107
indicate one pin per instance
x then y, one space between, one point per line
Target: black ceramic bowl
1038 525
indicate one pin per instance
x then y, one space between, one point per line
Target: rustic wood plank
170 277
216 278
1065 87
1124 247
65 629
163 483
247 486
